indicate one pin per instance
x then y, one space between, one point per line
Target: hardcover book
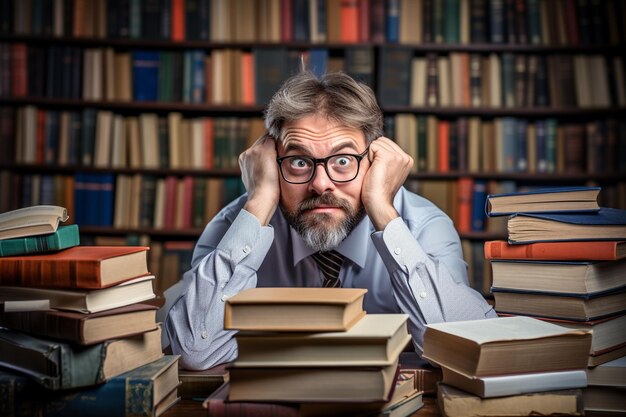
375 340
544 200
55 365
609 374
31 221
291 309
81 267
557 251
505 345
605 224
83 329
64 237
86 301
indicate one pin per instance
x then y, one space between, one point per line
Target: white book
515 384
31 221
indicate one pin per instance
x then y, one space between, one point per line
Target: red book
19 57
466 189
247 79
178 20
349 18
364 20
80 267
443 142
170 203
286 20
557 251
40 148
187 215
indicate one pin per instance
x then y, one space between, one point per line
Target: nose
321 182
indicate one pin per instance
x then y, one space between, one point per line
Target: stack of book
508 366
564 262
74 333
314 351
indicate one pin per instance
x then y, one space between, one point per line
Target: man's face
322 211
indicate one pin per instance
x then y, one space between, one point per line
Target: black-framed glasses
300 169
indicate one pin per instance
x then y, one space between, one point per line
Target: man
324 191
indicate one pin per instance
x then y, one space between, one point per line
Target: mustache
324 199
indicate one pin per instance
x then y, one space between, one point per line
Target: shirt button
397 251
204 334
423 294
246 249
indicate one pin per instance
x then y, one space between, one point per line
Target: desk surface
190 408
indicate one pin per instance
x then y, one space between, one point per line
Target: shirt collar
354 247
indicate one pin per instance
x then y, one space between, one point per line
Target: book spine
64 237
567 251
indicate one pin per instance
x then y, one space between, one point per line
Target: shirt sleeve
430 285
195 323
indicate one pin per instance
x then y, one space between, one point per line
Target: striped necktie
330 264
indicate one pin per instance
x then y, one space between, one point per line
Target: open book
31 221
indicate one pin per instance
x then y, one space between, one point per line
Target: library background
131 114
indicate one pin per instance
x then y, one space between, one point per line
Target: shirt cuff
246 241
397 246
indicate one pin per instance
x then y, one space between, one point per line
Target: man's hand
259 173
389 168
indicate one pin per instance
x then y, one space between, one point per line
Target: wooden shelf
533 112
169 233
69 170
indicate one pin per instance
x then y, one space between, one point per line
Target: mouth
324 209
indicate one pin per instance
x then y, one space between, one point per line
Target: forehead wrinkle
301 139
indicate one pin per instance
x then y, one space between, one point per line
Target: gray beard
317 230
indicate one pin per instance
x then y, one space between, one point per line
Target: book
609 374
375 340
505 345
566 306
83 329
31 221
86 301
456 403
605 224
55 365
515 384
555 251
321 384
543 200
558 277
199 384
138 392
291 309
607 401
64 237
25 305
84 267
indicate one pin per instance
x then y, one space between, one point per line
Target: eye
299 163
342 160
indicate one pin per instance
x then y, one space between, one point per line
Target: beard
322 232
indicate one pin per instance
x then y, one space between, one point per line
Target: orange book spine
178 20
349 17
464 220
553 251
444 145
247 79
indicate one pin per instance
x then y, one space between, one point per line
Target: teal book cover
65 237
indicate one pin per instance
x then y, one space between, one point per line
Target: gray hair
335 95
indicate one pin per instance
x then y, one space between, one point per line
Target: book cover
145 75
65 237
290 309
86 267
56 365
394 75
31 221
83 329
543 200
554 251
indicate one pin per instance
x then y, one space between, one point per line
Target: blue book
479 194
392 21
145 75
318 61
544 200
144 391
604 224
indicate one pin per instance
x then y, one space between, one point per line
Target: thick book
291 309
505 345
141 392
199 384
86 301
322 384
558 277
456 403
515 384
557 251
605 224
587 307
31 221
604 401
375 340
82 267
543 200
609 374
55 365
83 329
64 237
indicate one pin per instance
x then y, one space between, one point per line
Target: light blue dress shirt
415 266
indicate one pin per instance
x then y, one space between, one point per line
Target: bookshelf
108 69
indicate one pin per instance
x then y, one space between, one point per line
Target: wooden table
191 408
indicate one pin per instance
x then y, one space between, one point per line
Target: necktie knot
330 263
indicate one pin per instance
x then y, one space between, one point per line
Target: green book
65 237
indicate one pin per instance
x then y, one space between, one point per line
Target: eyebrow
296 147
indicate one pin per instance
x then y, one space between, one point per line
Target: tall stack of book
315 350
72 322
508 366
564 262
